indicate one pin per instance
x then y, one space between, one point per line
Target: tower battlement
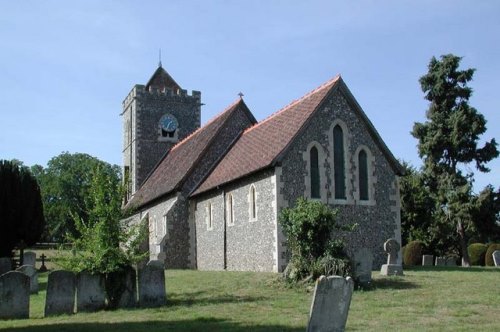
139 90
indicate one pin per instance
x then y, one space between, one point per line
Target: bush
489 254
412 255
477 253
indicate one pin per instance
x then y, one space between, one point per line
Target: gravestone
5 265
440 261
451 261
61 290
29 258
496 257
330 304
363 261
157 263
391 247
152 286
90 292
126 284
14 295
31 272
427 260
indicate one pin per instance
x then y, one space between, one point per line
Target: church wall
378 218
250 241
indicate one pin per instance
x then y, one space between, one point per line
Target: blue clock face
168 123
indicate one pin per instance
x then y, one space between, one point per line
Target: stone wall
378 218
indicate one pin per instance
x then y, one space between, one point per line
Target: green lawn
439 299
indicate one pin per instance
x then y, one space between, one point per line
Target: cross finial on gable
241 95
159 58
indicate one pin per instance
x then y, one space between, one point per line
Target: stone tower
155 117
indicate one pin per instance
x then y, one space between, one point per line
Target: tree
21 211
65 186
486 215
448 140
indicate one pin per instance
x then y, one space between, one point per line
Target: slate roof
263 145
161 79
176 166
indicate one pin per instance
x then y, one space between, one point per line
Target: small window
253 207
209 216
164 226
339 162
230 211
315 180
363 175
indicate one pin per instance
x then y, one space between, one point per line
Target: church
211 195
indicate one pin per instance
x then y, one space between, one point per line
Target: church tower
155 117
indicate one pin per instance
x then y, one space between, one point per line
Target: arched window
339 162
230 210
209 216
315 180
363 175
253 207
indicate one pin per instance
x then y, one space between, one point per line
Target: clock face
168 123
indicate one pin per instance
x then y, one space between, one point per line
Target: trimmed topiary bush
413 253
489 254
477 253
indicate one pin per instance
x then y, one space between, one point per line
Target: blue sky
66 66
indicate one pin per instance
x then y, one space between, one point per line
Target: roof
264 144
261 145
178 163
161 79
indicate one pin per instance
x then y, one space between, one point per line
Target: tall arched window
339 162
315 180
253 207
363 175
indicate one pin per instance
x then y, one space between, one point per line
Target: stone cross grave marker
43 268
29 258
14 295
330 304
391 247
31 272
496 257
5 265
61 290
363 261
90 292
152 285
427 260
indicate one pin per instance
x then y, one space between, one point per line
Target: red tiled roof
176 166
261 145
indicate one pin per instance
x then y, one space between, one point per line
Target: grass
437 299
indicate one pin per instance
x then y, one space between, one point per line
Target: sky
66 66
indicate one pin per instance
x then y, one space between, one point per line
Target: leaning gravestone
363 261
90 292
121 289
31 272
14 295
330 304
496 257
427 260
152 285
61 290
391 247
29 258
5 265
440 261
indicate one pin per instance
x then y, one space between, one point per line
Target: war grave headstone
31 272
330 304
14 295
90 292
363 261
29 258
496 257
427 260
61 290
5 265
391 247
152 285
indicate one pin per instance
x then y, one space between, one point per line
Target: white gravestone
440 261
427 260
391 247
496 257
31 272
330 304
152 285
363 261
29 258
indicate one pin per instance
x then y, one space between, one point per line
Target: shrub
412 255
489 254
477 253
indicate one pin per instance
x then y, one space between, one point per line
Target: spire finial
159 58
241 95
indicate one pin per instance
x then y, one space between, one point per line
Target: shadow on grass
200 324
393 283
201 298
489 269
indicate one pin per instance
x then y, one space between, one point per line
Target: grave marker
61 290
14 295
391 247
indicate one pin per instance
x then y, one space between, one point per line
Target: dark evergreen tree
448 140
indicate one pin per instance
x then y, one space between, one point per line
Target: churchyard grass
430 299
